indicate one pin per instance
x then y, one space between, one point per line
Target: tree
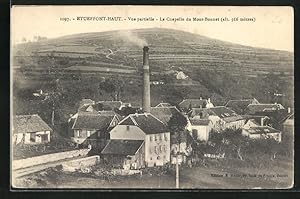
177 124
113 85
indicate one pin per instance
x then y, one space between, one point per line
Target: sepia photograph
152 97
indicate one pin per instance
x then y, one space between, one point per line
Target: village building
258 109
125 154
181 75
260 132
30 129
149 129
92 126
188 104
87 105
240 105
288 125
258 119
199 128
221 117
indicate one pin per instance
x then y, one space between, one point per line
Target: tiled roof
239 106
110 105
163 105
122 147
86 120
29 124
223 111
233 118
262 130
200 122
164 113
146 122
192 103
86 102
256 118
254 108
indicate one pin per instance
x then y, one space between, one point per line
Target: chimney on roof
262 121
200 98
146 76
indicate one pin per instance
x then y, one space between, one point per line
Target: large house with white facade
147 130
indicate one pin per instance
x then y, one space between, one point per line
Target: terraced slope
123 49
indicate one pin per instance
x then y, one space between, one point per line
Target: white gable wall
127 132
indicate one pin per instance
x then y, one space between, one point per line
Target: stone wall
81 163
28 162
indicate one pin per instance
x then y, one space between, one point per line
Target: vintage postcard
152 97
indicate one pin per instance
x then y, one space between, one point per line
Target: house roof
262 130
110 105
122 147
240 105
164 113
87 120
86 102
192 103
222 111
163 104
200 122
148 123
233 118
254 108
256 118
29 124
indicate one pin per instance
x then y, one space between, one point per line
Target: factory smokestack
146 74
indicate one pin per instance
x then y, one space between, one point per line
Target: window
150 138
158 158
127 128
195 133
77 133
150 158
155 138
166 137
161 148
160 137
44 137
32 137
156 149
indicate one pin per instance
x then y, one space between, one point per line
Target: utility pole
177 173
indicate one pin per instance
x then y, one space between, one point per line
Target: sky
273 26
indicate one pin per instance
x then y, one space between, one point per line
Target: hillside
123 49
216 69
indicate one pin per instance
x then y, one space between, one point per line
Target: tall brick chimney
146 74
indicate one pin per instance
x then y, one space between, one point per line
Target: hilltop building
30 129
